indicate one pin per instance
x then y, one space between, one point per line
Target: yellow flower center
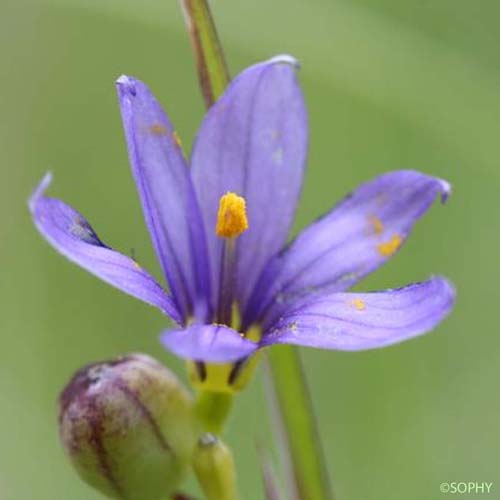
228 378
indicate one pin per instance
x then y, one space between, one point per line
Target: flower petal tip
126 84
39 190
356 322
448 287
446 190
444 291
285 59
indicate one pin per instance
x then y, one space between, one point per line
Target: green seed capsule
128 427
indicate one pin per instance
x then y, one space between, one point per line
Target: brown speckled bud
128 427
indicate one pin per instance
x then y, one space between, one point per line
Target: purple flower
219 229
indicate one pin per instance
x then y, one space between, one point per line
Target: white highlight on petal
40 190
286 59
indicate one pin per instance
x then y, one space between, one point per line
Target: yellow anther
359 304
389 247
232 217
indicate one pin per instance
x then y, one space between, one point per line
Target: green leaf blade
211 65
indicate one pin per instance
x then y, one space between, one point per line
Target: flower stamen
231 222
232 217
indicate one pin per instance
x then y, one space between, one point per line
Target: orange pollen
389 247
359 304
158 129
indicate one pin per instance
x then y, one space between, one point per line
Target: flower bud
128 427
214 467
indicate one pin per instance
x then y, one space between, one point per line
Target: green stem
294 416
211 65
212 409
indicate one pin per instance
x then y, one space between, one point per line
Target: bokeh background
390 84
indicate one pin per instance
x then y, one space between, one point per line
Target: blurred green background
390 84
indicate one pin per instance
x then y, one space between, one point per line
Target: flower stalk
212 410
211 66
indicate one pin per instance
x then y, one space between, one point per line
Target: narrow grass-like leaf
211 65
272 489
